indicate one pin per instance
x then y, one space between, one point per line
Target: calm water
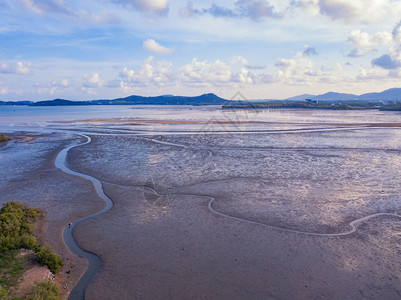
25 115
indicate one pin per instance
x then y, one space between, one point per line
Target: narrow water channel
78 292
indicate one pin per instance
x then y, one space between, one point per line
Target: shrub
11 269
46 256
4 294
16 227
44 291
16 233
3 138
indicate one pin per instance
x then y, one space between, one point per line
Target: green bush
11 269
16 233
3 138
16 230
4 294
44 291
15 226
46 256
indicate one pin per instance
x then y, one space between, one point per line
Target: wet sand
29 175
177 248
185 252
161 240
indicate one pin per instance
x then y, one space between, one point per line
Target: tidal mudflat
213 208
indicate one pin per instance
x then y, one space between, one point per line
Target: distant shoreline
224 104
386 100
327 105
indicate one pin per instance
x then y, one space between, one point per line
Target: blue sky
96 49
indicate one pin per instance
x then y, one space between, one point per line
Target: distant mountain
390 94
59 102
211 99
301 97
205 99
332 96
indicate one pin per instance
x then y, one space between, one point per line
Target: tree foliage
16 230
46 256
44 291
16 226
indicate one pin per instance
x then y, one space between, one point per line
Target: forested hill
205 99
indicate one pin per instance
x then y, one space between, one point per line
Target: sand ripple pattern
353 225
78 291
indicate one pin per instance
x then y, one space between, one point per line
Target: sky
265 49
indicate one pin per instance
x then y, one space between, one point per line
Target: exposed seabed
309 212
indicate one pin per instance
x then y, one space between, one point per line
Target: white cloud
56 86
16 67
256 10
153 46
45 7
3 91
41 7
92 82
397 33
372 74
100 18
195 74
154 6
364 42
158 74
239 60
161 73
299 70
369 11
244 76
366 11
61 83
392 59
129 76
189 10
204 73
310 6
114 83
309 51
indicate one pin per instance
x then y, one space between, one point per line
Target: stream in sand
302 174
78 291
